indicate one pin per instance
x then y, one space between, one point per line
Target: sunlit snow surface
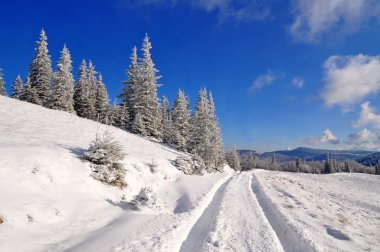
49 202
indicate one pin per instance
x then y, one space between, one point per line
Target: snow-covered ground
49 202
337 212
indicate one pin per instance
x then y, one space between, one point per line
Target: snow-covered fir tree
106 156
62 92
119 116
216 138
40 71
81 95
149 76
137 126
203 140
101 104
167 126
180 120
29 93
2 83
92 90
17 88
233 160
129 92
145 100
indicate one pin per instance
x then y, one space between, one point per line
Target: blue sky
283 73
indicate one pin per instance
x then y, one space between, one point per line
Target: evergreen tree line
139 110
330 165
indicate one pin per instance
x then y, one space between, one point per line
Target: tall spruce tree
205 140
128 95
102 104
199 140
147 92
216 138
180 120
2 83
62 92
17 88
29 93
40 71
92 90
81 95
167 126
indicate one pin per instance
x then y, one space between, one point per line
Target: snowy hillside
50 202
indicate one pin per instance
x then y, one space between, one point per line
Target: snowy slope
337 212
49 201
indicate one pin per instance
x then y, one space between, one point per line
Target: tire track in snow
240 223
199 232
290 238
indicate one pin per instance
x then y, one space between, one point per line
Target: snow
337 212
49 201
41 175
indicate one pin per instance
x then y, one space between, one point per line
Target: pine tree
102 105
62 92
81 94
2 83
29 93
328 165
200 136
234 160
167 127
92 90
128 95
17 88
216 138
40 70
119 116
138 126
147 101
181 120
205 139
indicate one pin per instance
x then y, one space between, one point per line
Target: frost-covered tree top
62 93
2 83
40 69
81 94
17 87
181 120
102 104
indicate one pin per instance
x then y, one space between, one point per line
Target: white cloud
349 79
264 80
364 139
368 116
298 82
238 10
314 18
327 137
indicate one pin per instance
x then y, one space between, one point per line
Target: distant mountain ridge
314 154
370 160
